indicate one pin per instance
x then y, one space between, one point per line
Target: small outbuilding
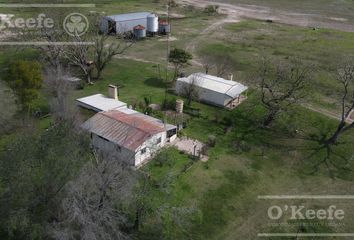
123 23
139 32
212 90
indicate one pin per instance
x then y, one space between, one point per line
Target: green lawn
225 189
323 49
247 161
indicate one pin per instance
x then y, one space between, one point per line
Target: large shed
121 23
213 90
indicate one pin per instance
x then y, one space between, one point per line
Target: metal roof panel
216 84
126 130
129 16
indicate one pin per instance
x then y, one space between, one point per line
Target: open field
321 13
247 41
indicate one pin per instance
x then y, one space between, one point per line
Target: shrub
211 9
169 104
211 140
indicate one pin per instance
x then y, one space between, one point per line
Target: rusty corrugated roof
139 27
128 131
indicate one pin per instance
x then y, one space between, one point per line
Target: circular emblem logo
76 24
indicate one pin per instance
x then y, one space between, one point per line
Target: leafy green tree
33 174
180 59
25 78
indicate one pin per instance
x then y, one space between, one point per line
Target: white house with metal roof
128 135
213 90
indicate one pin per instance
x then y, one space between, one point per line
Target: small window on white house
143 151
158 140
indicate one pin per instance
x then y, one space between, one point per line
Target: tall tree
33 175
345 76
207 62
191 90
281 87
105 51
91 208
78 55
223 65
180 59
25 79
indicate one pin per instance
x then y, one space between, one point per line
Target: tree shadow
155 82
311 142
318 153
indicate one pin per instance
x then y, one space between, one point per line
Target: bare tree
59 88
78 55
207 62
191 90
223 65
281 87
104 51
90 209
345 75
52 52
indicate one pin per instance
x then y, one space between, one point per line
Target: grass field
342 8
324 49
224 190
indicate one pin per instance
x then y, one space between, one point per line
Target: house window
143 151
158 140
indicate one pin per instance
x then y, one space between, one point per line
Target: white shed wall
122 154
151 148
205 95
127 26
132 158
122 26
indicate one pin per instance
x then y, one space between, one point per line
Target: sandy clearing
170 39
238 11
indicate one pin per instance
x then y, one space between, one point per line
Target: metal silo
164 27
139 32
152 23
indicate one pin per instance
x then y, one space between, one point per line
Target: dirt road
236 12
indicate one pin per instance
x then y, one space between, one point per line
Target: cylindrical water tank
153 23
164 27
179 106
139 32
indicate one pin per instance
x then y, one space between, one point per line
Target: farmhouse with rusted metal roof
128 135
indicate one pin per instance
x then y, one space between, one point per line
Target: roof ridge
219 79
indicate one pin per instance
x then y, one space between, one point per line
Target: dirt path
235 12
326 112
